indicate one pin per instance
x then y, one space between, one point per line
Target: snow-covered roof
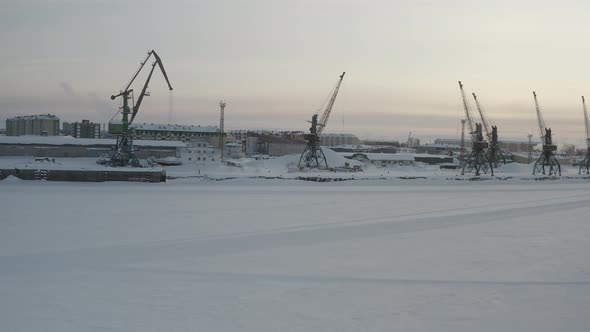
36 116
390 156
516 142
337 135
441 146
426 155
354 146
69 140
394 156
174 127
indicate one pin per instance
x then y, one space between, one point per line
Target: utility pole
221 132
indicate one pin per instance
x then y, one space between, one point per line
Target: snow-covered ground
285 167
281 255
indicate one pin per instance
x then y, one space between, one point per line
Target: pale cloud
275 61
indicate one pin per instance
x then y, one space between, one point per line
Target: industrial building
200 151
37 125
84 129
447 149
184 133
242 134
398 159
413 142
511 146
273 145
65 146
385 159
339 139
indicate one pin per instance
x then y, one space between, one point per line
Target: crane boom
142 94
585 163
158 61
324 119
470 122
313 156
484 119
141 64
126 91
124 154
540 120
586 121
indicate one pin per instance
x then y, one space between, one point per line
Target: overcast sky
275 62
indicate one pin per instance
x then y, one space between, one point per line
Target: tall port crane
586 162
547 159
313 156
463 138
477 161
495 154
124 152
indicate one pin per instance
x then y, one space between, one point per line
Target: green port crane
313 156
124 154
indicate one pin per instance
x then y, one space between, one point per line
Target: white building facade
200 151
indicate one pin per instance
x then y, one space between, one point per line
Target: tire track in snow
328 279
138 253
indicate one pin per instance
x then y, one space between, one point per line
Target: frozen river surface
293 256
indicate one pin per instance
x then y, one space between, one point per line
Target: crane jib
127 90
326 114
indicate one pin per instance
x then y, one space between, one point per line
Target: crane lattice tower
313 156
477 161
547 163
222 105
124 154
585 163
495 153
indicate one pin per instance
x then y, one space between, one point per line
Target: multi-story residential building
84 129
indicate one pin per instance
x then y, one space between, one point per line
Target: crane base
585 164
312 157
477 162
547 163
